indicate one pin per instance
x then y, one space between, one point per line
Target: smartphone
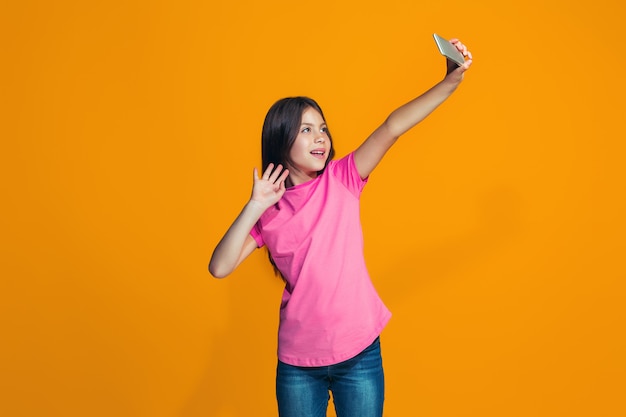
448 50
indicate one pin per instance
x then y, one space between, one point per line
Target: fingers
268 171
270 188
281 182
460 69
272 175
461 48
276 173
283 177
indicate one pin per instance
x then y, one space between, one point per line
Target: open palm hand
269 189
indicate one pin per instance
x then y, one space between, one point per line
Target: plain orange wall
494 230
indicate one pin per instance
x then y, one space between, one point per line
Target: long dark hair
281 127
280 130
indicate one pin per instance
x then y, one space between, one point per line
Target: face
311 148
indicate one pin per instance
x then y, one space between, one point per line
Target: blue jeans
357 385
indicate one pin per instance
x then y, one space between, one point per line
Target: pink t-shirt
330 310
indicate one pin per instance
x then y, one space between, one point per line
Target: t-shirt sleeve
256 235
345 170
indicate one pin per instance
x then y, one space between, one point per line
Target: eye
306 130
324 129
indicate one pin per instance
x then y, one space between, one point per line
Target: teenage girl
305 210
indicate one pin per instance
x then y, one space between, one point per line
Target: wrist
256 206
451 82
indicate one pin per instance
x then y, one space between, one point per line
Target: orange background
494 230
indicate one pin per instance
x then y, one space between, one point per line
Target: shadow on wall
239 377
210 393
248 335
500 222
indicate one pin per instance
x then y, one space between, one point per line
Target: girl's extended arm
237 243
371 152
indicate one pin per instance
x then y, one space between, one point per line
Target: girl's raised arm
371 152
237 244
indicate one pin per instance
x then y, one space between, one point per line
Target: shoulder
344 169
345 162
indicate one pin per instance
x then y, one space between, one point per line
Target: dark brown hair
281 127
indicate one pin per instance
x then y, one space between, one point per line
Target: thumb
465 66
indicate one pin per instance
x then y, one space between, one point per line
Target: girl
305 209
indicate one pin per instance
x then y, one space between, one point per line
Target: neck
299 177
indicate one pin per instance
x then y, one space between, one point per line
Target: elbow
392 129
218 272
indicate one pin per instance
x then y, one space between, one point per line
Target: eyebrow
311 124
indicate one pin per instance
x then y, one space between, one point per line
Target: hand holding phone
448 50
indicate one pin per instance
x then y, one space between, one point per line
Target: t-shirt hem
334 360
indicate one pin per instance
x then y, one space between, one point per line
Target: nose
320 139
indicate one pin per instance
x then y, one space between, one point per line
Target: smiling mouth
318 154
